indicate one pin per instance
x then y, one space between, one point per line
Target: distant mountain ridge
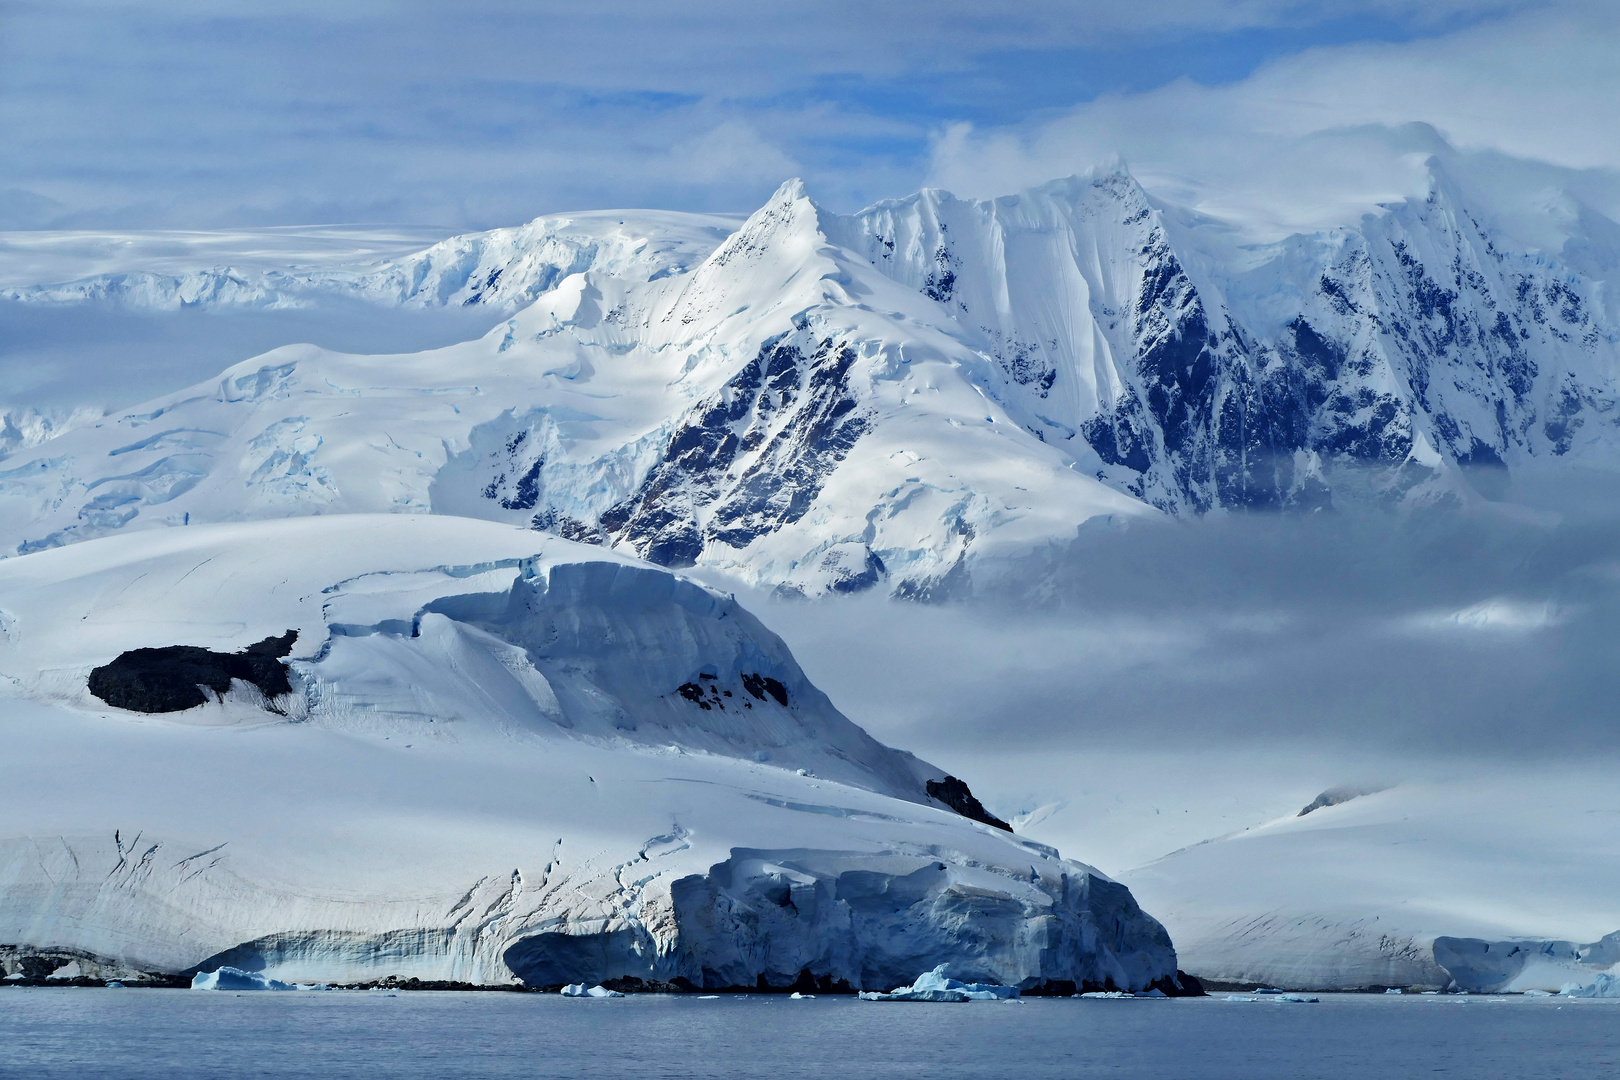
832 403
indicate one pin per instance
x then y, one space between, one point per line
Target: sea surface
181 1033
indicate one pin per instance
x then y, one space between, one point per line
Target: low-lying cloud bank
1224 670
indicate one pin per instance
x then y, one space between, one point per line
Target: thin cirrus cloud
200 114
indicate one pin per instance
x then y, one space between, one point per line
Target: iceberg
581 991
937 986
230 978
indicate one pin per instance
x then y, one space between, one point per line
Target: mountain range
831 403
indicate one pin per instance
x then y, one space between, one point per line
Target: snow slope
1504 882
503 755
1358 363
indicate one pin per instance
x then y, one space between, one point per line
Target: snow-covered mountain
782 410
354 746
891 399
895 400
1205 377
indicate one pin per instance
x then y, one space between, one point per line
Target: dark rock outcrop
758 453
175 677
955 794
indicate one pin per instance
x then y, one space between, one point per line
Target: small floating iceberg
1604 986
580 990
1274 995
229 978
937 986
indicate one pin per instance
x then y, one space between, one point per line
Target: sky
196 114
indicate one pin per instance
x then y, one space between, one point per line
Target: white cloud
1318 138
204 113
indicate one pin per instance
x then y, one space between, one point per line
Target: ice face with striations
491 755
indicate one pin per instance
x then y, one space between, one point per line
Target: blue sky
197 114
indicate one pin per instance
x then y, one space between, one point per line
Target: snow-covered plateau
451 749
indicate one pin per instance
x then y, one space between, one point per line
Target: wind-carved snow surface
503 756
893 399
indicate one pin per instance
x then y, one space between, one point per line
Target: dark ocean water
183 1033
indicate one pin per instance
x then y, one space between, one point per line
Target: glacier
498 758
